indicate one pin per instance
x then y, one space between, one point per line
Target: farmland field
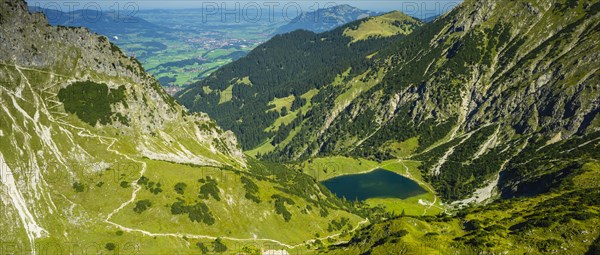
187 46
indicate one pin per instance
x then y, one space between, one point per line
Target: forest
288 64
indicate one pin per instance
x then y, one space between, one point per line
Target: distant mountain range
106 23
326 19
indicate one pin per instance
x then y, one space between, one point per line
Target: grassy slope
231 212
539 225
292 115
426 204
381 26
267 147
107 190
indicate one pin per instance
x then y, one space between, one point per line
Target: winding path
103 140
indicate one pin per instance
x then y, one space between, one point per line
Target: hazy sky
419 9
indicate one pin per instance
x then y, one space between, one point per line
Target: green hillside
288 66
491 111
94 153
493 101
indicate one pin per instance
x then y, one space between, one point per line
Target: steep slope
564 221
502 99
476 87
325 19
95 154
266 94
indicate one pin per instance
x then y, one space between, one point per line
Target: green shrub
219 246
280 208
142 205
251 189
180 188
197 213
110 246
143 180
203 248
78 187
210 188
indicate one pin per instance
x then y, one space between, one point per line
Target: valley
183 46
474 132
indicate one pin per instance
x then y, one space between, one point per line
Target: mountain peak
343 7
326 19
389 24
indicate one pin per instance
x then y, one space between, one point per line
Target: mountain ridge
94 151
325 19
492 108
101 22
305 62
457 97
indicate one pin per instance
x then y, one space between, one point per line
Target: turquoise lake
376 184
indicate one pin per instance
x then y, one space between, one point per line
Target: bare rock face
77 54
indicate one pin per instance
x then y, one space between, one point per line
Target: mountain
93 151
325 19
430 18
101 22
491 108
495 102
451 103
263 95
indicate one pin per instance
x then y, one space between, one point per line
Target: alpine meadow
342 129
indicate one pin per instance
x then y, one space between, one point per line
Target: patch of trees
594 248
298 103
548 167
402 128
110 246
335 225
398 78
166 80
460 175
153 187
78 187
289 64
549 215
198 212
142 205
219 246
280 208
560 210
465 52
251 189
284 130
209 189
202 247
180 188
181 63
294 182
92 102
